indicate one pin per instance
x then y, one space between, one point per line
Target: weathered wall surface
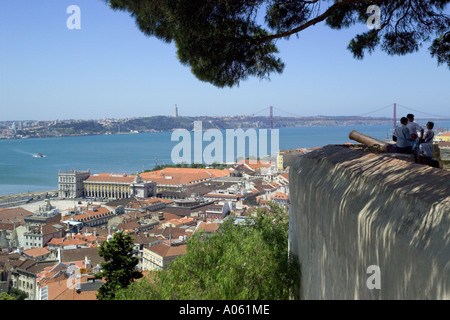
444 157
351 210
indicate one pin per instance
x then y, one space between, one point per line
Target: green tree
119 266
5 296
243 262
225 41
18 294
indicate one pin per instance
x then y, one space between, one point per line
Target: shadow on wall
351 210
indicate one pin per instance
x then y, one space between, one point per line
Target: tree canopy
119 266
237 262
226 41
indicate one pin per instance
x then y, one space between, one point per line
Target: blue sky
109 68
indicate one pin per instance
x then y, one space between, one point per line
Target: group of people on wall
411 138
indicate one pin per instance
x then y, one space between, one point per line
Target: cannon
369 141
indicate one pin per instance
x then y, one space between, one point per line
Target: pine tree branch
309 23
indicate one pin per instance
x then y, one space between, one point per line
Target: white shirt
414 128
427 146
403 136
429 139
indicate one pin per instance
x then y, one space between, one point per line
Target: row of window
23 284
67 187
106 188
67 179
33 244
32 237
153 259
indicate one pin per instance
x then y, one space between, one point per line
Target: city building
150 204
117 186
70 184
176 179
159 256
280 198
39 236
95 217
24 275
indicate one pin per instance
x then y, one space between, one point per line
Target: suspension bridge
418 114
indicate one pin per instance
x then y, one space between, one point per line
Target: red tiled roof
73 242
218 195
111 177
280 196
91 214
208 227
15 214
6 226
182 176
36 252
128 226
180 221
255 164
164 250
56 241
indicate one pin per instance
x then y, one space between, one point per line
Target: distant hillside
166 123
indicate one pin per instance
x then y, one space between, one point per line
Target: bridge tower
395 114
271 117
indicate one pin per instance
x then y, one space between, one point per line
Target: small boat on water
39 155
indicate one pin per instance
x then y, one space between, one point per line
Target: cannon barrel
369 141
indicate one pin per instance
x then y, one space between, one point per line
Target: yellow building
280 161
444 137
117 186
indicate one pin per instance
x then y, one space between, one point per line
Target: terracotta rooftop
182 176
255 164
111 177
128 226
280 196
6 226
11 215
164 250
209 227
180 221
285 175
225 196
174 232
36 252
80 254
92 214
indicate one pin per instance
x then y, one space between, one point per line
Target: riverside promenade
14 200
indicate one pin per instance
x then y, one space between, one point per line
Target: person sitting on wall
426 143
414 128
402 137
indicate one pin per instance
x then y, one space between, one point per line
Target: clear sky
109 68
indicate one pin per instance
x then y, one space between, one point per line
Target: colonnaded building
78 184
